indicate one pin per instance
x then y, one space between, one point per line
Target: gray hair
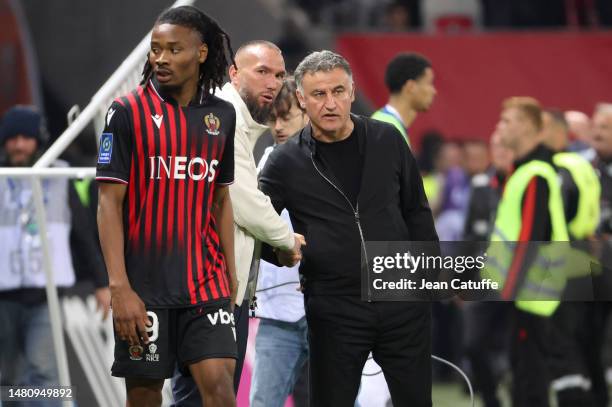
320 61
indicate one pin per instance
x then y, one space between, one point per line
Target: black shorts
183 335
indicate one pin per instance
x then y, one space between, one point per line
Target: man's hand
103 299
130 316
290 258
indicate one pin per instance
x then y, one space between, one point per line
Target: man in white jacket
255 81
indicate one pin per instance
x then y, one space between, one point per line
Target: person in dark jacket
346 180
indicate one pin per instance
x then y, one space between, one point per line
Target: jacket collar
244 120
360 130
540 152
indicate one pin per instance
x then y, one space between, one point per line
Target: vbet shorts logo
223 317
106 148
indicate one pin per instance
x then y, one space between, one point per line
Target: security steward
530 210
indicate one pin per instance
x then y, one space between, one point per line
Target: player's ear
301 99
408 86
202 53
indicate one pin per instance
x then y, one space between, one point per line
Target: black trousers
342 331
486 335
530 359
568 343
581 327
592 343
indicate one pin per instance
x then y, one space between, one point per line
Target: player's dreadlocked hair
220 53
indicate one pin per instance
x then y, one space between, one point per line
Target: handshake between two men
290 258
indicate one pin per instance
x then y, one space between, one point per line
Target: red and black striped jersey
171 159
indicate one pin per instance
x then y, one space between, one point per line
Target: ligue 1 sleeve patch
106 148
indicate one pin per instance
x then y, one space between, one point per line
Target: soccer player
165 215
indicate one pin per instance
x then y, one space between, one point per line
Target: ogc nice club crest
212 124
135 352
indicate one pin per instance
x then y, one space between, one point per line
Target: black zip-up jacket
391 205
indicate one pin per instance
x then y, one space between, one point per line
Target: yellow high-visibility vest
586 220
545 280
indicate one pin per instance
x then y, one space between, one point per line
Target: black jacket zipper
357 220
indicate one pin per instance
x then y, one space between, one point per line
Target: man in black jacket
346 180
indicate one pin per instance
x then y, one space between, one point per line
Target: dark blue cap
24 120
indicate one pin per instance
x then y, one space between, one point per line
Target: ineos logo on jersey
221 316
179 167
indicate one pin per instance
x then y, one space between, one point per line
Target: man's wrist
289 244
119 285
